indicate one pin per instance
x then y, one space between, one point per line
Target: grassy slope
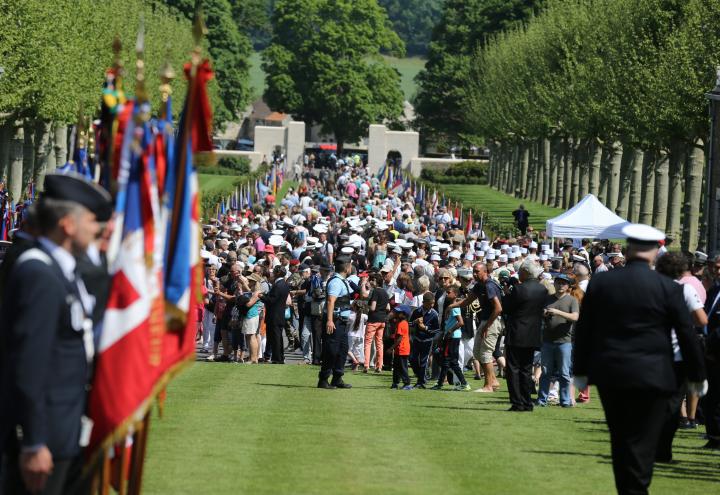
408 68
212 183
266 429
499 206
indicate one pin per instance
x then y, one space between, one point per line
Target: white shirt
693 303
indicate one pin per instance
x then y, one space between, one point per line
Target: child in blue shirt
450 345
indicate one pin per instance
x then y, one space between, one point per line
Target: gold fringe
204 158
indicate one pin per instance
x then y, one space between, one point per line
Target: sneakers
394 386
407 387
420 385
436 387
461 388
688 424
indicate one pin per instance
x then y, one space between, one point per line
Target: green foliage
53 66
464 26
413 21
239 164
469 172
324 65
253 18
229 50
630 70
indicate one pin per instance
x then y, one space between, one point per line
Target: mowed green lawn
499 206
408 68
267 430
211 183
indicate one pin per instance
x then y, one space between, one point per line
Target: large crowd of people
426 294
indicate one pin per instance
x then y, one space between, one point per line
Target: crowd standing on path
359 278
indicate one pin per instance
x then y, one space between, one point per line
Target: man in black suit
46 343
711 402
523 309
623 346
275 303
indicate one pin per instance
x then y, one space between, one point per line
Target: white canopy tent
589 219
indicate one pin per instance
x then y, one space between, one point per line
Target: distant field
217 183
499 206
408 68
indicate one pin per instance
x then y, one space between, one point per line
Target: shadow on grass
689 470
604 458
458 408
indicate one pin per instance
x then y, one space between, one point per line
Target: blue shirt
452 320
254 310
338 287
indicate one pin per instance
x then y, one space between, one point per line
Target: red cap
269 249
363 274
294 262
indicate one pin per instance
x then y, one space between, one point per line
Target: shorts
250 326
483 348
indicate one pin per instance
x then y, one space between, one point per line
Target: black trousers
400 370
672 418
419 354
274 334
317 338
519 376
711 402
66 478
635 419
450 355
334 352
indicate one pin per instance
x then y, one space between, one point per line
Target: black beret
76 188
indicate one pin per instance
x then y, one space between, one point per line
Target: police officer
335 339
623 346
46 344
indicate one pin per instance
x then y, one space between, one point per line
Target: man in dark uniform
275 303
46 344
523 309
623 345
335 339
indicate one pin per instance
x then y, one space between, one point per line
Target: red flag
468 223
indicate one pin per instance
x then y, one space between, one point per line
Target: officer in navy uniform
46 342
335 338
623 345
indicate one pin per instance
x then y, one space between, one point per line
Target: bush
469 172
240 165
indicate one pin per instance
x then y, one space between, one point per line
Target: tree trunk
5 139
615 162
604 174
694 168
42 152
535 174
524 168
545 154
662 167
494 158
28 151
583 168
554 167
15 175
560 183
60 144
567 164
678 155
636 186
575 181
648 187
594 172
625 180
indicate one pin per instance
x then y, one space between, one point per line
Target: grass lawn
408 68
287 184
267 430
497 205
212 183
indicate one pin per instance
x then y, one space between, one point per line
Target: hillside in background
408 67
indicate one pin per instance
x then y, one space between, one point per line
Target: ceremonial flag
131 338
468 223
456 216
248 201
434 200
381 173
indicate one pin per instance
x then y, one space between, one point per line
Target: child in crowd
425 324
356 335
401 347
450 345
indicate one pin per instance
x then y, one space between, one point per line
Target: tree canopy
413 21
464 25
324 66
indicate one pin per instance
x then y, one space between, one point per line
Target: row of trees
54 56
603 97
464 25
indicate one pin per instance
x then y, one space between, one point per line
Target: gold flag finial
81 127
167 74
